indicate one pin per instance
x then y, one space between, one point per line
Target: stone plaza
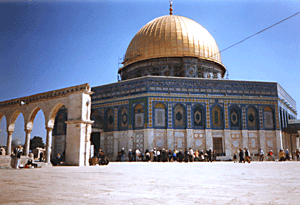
154 183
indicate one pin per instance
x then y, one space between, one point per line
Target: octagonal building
172 95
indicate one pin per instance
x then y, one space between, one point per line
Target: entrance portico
78 102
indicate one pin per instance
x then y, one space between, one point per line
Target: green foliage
36 142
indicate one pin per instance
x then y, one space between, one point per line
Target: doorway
218 146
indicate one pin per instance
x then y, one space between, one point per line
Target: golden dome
172 36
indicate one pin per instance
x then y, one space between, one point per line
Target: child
234 157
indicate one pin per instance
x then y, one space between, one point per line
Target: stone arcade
172 95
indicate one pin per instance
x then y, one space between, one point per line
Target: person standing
287 155
234 157
191 155
209 155
261 155
241 155
123 155
247 155
18 153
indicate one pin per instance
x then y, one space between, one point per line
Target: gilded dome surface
172 36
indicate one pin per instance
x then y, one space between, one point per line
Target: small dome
172 36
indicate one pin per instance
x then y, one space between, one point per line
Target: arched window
235 118
252 118
110 119
268 118
138 116
160 115
179 116
97 118
199 120
123 118
217 117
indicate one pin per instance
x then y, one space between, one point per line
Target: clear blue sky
48 45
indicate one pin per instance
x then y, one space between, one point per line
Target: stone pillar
208 137
8 145
262 141
227 146
48 145
245 139
170 139
130 139
149 139
189 138
116 145
278 141
77 140
27 142
297 140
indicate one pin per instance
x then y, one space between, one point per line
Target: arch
109 119
268 118
12 120
1 115
252 118
53 113
97 118
139 116
198 116
217 117
179 116
235 117
160 115
32 115
123 118
17 126
3 127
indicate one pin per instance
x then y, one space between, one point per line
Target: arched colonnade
76 99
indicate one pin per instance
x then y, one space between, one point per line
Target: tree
36 142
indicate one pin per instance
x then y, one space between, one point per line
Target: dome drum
173 66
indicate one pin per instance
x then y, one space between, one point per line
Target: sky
48 45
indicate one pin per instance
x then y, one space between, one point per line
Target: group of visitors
244 156
164 155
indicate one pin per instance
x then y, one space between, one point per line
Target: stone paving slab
155 183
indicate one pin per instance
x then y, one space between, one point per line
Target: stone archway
78 102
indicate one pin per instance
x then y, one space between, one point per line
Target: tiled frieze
189 117
150 116
261 119
207 114
226 114
116 118
169 115
244 118
111 104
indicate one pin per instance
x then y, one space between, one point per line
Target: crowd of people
164 155
245 156
242 156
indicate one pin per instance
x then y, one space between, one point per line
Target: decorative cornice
47 95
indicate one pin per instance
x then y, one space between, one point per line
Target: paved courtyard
155 183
